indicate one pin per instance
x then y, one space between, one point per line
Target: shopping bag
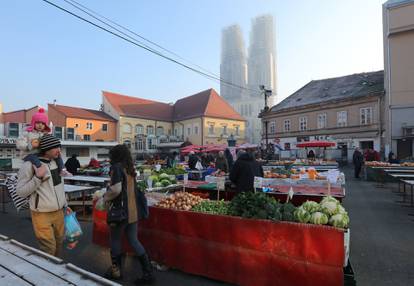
73 229
199 166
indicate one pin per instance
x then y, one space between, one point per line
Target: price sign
221 181
185 179
258 182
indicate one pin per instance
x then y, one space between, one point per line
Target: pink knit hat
40 116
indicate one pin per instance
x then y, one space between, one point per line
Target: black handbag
116 213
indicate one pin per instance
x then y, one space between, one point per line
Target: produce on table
212 207
311 206
329 205
328 211
180 201
154 178
287 211
339 220
255 205
302 215
218 173
319 218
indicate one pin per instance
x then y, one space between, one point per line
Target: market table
411 184
3 190
76 191
22 265
87 179
237 250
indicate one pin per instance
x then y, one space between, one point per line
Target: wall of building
96 132
192 130
56 117
217 137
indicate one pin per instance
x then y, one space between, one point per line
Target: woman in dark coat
244 170
221 162
358 160
122 194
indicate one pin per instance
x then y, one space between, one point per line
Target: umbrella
315 144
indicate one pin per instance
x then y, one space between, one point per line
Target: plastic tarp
239 251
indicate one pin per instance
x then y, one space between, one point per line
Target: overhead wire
135 42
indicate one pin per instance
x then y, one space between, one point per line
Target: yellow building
146 125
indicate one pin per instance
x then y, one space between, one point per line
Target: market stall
240 250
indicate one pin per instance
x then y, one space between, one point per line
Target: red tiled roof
77 112
139 107
17 116
206 103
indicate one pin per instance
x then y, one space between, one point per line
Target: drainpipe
202 131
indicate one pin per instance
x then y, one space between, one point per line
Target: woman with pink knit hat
28 144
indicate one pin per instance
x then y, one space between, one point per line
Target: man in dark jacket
244 170
72 164
358 160
192 161
229 158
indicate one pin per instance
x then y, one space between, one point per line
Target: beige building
147 125
398 19
345 109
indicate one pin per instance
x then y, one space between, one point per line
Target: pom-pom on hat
39 116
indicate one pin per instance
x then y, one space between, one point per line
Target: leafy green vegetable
255 205
213 207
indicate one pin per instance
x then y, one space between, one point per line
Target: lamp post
267 93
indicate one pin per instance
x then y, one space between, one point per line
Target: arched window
139 129
139 144
160 130
150 130
127 128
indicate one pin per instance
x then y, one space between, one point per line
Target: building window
175 132
272 127
342 118
139 144
188 130
211 129
303 123
224 130
322 121
13 129
286 125
151 143
89 125
58 132
365 115
250 110
150 130
127 128
237 130
86 137
139 129
127 143
70 133
105 127
196 130
160 131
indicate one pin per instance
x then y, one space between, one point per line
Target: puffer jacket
44 196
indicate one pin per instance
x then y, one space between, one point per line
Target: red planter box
237 250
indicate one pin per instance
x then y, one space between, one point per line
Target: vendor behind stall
93 163
244 170
221 163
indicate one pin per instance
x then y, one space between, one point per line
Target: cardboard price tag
185 179
221 181
258 182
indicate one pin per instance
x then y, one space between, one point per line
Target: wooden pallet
23 265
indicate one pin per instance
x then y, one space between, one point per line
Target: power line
78 5
134 42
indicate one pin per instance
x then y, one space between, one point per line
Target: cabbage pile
328 211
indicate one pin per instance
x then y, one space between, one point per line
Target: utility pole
267 93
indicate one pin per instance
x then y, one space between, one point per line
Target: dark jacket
72 165
229 159
244 170
192 161
357 158
221 163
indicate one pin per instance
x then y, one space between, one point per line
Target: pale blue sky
47 54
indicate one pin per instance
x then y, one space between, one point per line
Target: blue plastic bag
73 229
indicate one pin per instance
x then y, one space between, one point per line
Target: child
29 142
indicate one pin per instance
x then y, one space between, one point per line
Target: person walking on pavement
45 189
358 160
122 196
72 164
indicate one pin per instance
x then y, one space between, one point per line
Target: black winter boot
147 270
114 272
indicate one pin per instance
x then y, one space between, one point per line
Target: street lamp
267 93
